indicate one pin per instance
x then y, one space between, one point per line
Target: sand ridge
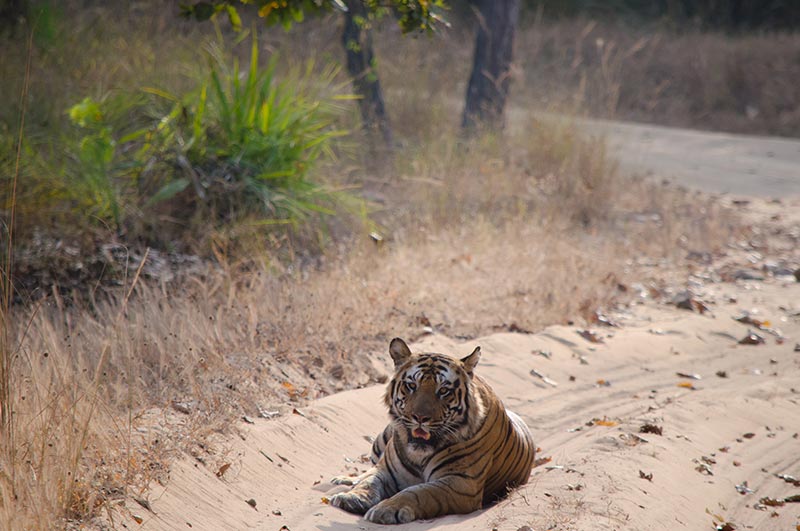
726 431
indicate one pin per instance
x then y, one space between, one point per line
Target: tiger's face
430 396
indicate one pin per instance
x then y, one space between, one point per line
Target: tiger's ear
399 351
472 360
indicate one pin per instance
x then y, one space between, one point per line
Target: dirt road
737 425
726 437
717 163
712 162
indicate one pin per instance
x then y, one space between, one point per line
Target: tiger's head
432 398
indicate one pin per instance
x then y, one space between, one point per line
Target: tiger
450 447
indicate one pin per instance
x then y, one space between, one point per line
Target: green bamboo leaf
233 17
160 93
277 174
197 125
263 118
168 191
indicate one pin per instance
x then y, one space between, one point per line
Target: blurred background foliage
145 128
734 15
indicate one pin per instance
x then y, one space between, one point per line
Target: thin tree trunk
491 70
357 43
11 12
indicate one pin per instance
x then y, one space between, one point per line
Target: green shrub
95 173
241 145
245 144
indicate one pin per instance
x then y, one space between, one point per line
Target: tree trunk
357 43
491 70
11 12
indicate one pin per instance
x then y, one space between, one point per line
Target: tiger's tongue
419 433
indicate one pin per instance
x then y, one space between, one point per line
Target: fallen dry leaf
704 469
691 376
647 476
651 428
590 335
292 390
794 498
687 385
544 378
685 301
603 383
605 422
422 320
542 461
144 503
771 502
749 435
789 479
516 329
715 516
182 407
251 502
722 374
631 439
325 500
748 319
752 339
726 526
224 468
737 463
138 519
605 320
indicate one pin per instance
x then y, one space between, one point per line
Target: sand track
284 464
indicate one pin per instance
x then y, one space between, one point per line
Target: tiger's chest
407 462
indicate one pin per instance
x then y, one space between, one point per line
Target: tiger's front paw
352 502
345 480
389 512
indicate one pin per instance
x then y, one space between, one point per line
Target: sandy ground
726 435
740 429
717 163
754 166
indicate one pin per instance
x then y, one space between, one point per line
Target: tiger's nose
420 418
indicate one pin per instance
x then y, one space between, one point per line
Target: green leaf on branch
233 17
168 191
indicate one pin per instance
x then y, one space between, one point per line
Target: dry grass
504 233
742 84
688 78
474 243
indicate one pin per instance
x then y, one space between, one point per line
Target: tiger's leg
374 486
453 494
378 447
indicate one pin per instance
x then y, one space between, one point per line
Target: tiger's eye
411 386
443 392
